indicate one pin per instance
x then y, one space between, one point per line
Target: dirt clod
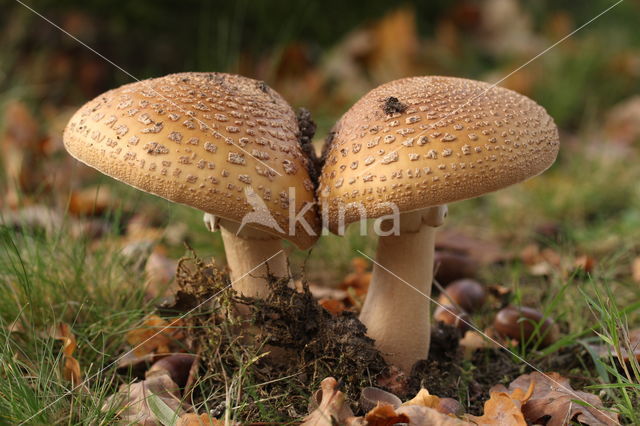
392 105
305 343
307 129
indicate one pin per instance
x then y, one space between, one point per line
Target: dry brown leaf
160 271
357 282
473 341
424 399
554 397
635 270
192 419
132 400
71 368
425 416
177 366
332 305
20 150
585 263
91 201
155 336
396 44
504 408
384 415
328 406
623 122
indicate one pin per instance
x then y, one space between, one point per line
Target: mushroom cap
208 140
420 142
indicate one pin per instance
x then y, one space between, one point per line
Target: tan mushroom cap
204 140
426 141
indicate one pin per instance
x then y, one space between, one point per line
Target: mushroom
222 143
400 154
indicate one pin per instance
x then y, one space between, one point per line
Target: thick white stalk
396 313
247 255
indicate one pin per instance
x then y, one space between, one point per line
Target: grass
48 278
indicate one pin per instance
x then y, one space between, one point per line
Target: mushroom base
396 309
251 256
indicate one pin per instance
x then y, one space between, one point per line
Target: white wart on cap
426 141
200 139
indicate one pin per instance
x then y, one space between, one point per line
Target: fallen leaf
501 293
504 408
160 271
473 341
131 402
585 263
425 416
384 415
71 367
155 336
623 122
192 419
92 201
554 397
635 270
425 399
328 406
332 305
20 152
33 218
395 45
357 282
177 366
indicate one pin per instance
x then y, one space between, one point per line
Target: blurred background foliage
323 55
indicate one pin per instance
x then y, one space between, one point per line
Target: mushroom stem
251 255
396 309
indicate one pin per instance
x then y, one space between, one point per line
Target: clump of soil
305 343
307 128
286 344
392 105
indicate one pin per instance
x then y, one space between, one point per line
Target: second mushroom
404 151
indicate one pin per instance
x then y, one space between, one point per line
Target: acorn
520 323
469 294
450 315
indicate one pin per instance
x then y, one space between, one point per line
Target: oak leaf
424 399
132 401
384 415
504 408
554 397
425 416
155 336
192 419
71 368
328 406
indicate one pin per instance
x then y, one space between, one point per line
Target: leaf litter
289 344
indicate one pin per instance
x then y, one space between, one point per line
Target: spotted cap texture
425 141
201 139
